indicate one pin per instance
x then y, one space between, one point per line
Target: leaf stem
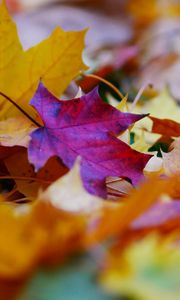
112 86
16 201
7 195
138 96
25 178
20 109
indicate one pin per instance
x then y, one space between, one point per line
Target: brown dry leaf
165 127
5 152
10 289
18 166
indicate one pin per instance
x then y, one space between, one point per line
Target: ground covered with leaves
90 185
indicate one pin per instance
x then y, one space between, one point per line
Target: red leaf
165 127
85 127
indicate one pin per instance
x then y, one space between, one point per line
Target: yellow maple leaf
10 46
56 61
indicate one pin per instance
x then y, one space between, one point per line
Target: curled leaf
171 160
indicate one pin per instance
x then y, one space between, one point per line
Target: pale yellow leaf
171 160
15 132
140 144
68 193
154 166
163 107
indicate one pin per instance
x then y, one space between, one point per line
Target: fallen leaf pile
90 186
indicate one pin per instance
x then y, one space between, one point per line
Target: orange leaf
165 127
115 220
34 235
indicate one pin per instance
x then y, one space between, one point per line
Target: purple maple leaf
85 127
159 214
